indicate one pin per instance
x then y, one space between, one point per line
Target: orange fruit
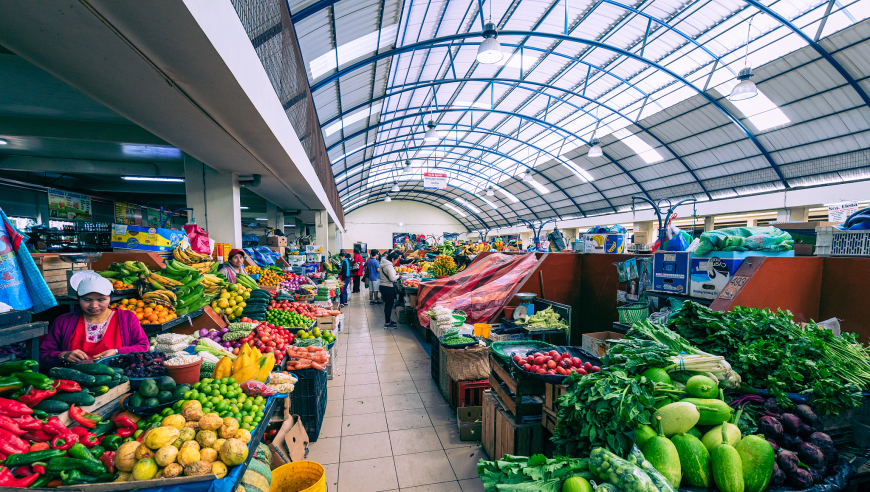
149 310
152 317
140 304
125 301
139 316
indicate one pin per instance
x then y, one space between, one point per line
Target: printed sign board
839 212
69 206
435 181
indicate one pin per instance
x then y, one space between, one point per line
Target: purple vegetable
800 479
790 441
787 461
774 444
806 413
811 455
822 440
771 406
770 427
805 431
203 332
818 476
790 423
224 330
778 477
832 456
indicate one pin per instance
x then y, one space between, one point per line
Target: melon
694 461
662 453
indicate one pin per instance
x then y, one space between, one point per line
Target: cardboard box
671 272
597 344
804 235
146 238
470 421
641 237
274 241
290 443
710 273
310 268
296 260
278 249
603 243
314 248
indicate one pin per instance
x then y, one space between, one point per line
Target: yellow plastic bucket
482 330
299 476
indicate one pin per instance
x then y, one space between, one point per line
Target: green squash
757 458
694 461
662 453
727 466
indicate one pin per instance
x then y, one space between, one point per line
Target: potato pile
190 444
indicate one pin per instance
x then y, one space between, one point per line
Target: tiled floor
387 428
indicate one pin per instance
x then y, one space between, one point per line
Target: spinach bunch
635 356
529 474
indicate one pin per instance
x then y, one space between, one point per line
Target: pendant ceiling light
490 191
407 169
388 199
395 188
595 150
431 134
745 89
527 177
489 50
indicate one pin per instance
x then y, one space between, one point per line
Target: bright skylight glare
507 194
578 171
761 112
351 51
451 207
492 205
469 104
542 190
514 61
351 119
641 148
349 153
468 205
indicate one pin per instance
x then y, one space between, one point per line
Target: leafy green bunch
529 474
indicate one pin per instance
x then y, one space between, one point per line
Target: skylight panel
351 119
542 190
468 205
349 153
641 148
469 104
492 205
761 112
356 201
351 51
507 194
451 207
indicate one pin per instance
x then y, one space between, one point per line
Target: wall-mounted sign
127 213
435 181
839 212
69 206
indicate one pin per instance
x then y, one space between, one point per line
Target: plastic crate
308 400
831 241
514 337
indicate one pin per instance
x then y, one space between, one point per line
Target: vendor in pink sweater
94 333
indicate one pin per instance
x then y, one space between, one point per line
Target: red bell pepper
89 439
83 418
108 460
38 435
34 396
12 444
126 427
38 468
28 423
10 425
64 442
39 446
67 386
23 471
12 408
53 426
7 479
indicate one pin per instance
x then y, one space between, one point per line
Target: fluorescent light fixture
492 205
401 224
140 150
489 50
352 50
451 207
259 218
388 199
351 119
395 188
761 112
149 178
641 148
3 141
243 208
431 134
468 205
745 89
595 150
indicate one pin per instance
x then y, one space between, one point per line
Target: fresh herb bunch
775 354
602 410
635 356
529 474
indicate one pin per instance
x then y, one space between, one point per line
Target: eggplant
810 454
807 414
772 406
774 444
790 423
818 476
800 479
787 461
778 477
805 431
770 427
790 441
821 440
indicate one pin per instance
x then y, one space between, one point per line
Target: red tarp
481 290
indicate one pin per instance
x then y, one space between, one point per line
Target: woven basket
633 313
468 364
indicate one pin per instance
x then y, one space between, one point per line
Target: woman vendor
235 264
94 333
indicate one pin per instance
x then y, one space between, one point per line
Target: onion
224 330
203 332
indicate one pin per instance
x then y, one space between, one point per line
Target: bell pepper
65 441
39 446
7 479
10 425
126 427
96 451
35 379
33 396
53 426
32 457
84 418
12 444
80 451
10 368
87 466
67 386
10 383
43 481
38 435
104 428
22 471
111 442
12 408
38 468
28 423
76 477
108 460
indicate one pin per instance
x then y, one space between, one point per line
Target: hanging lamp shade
745 89
595 150
388 199
490 191
395 188
431 134
527 177
489 50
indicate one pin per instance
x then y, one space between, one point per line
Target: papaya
267 363
223 369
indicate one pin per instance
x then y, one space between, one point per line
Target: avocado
180 391
151 402
148 388
135 400
164 396
166 383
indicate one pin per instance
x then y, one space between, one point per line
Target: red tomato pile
307 310
267 337
554 364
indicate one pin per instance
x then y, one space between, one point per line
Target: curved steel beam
562 37
463 222
424 192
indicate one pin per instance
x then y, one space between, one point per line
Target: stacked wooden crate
54 271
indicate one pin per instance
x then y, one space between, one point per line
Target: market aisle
387 428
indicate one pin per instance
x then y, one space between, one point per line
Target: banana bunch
189 256
163 297
212 283
127 272
444 266
160 282
205 267
426 266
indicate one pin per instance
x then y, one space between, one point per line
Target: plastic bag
198 239
636 457
13 288
843 472
255 388
627 476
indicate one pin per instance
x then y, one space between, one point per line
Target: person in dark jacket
345 276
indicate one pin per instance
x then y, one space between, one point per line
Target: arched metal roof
649 78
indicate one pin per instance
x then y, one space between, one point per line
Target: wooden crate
552 392
54 271
522 396
502 435
549 420
101 402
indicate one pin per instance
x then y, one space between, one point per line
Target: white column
750 222
793 214
321 230
215 199
709 224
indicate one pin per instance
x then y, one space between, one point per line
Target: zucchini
713 412
694 461
71 375
52 406
95 369
101 381
80 399
727 468
756 458
118 370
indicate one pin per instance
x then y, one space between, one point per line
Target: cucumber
68 374
101 381
713 412
694 461
727 468
662 453
95 369
702 387
80 399
52 406
756 458
118 370
678 418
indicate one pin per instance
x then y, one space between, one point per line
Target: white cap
94 284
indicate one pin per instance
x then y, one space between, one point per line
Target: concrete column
321 230
271 215
792 214
750 222
215 199
708 224
339 238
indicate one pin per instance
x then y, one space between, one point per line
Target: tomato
551 364
582 371
587 366
557 358
540 361
527 367
560 371
517 358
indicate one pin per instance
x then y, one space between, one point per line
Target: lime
247 419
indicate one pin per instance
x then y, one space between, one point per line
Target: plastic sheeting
481 290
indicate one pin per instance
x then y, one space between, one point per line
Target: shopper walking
356 268
374 275
388 292
344 275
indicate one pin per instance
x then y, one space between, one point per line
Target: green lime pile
225 398
315 332
287 319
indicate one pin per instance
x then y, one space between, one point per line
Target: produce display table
28 332
189 317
